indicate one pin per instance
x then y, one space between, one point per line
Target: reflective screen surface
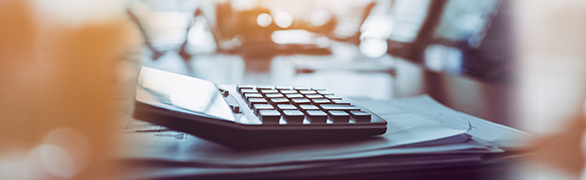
182 93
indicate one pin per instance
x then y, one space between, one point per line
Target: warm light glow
238 40
377 27
53 117
283 19
322 42
292 37
63 153
319 18
373 48
56 161
243 5
264 20
73 12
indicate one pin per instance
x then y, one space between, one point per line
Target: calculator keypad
296 104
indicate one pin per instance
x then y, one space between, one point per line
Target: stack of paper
421 134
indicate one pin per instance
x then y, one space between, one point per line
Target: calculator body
237 117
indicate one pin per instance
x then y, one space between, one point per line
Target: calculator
250 116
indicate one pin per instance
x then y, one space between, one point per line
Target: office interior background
67 68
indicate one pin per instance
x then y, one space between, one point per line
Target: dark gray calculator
250 116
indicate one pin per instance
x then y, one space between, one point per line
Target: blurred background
519 63
352 47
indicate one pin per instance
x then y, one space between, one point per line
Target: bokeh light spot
264 20
283 19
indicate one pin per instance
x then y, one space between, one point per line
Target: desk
376 83
489 101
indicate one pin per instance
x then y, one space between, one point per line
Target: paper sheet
403 129
421 134
425 106
229 158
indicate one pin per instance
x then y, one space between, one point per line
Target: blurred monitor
455 36
408 18
465 22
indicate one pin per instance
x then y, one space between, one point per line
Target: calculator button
339 116
286 107
240 87
252 95
269 116
258 107
321 101
293 115
316 116
265 91
291 96
302 88
288 91
265 87
325 92
274 95
244 86
280 100
332 97
314 96
245 91
339 107
284 87
300 101
308 92
253 101
341 102
308 107
360 116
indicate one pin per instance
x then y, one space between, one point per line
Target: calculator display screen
181 93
